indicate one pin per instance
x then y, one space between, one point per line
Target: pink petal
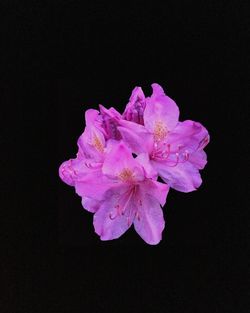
183 177
155 189
198 159
138 138
93 185
70 170
92 142
107 222
91 116
110 118
94 118
91 205
149 171
151 222
160 109
111 112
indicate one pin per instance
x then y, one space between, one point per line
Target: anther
186 155
112 217
177 160
137 215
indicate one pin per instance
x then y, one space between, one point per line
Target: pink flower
173 149
121 189
131 199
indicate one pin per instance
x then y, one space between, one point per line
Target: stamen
124 210
112 217
137 215
177 160
166 153
118 213
203 142
118 209
163 153
121 207
186 155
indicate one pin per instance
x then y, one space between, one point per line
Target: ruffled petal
135 108
155 189
71 170
183 177
91 205
151 222
92 142
66 173
188 135
110 118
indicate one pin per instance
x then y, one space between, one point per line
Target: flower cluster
121 156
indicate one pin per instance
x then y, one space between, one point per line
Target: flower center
160 131
126 175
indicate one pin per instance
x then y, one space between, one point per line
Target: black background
61 58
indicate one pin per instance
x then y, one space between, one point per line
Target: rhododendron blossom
121 156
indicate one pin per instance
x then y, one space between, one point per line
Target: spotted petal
151 222
161 113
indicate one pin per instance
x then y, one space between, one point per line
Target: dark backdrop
61 58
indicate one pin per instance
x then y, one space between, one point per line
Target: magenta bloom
121 189
131 198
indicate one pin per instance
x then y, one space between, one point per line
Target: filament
124 209
163 153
